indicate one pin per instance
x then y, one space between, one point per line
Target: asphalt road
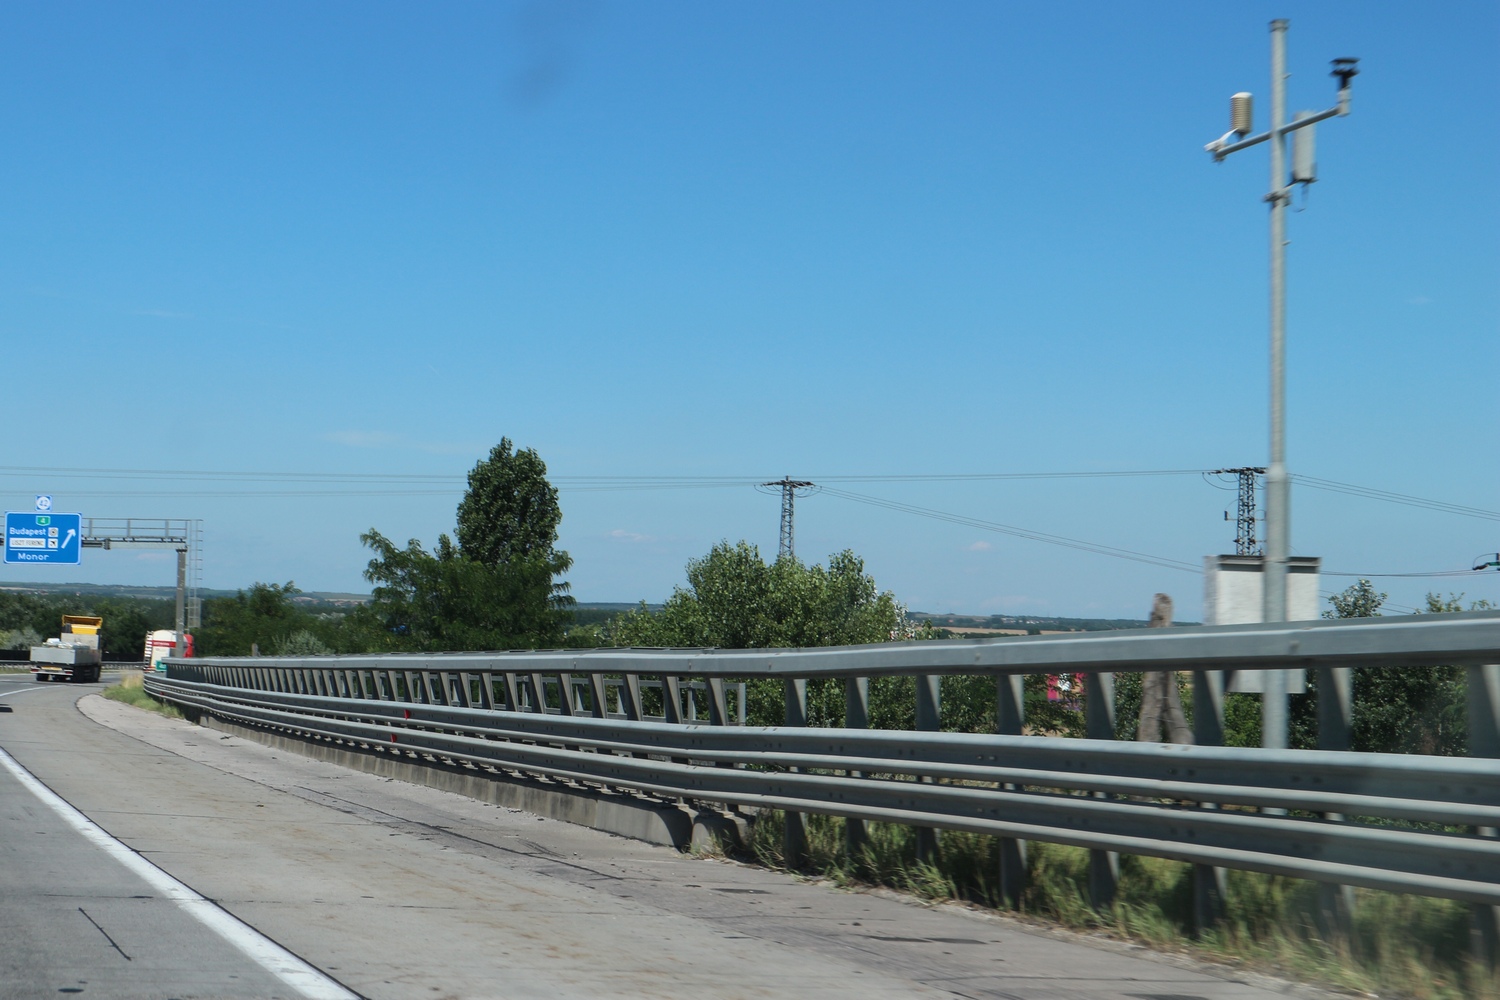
400 891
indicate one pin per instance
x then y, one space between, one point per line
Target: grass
131 690
1399 946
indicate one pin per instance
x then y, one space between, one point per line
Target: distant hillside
163 593
1024 624
599 612
596 612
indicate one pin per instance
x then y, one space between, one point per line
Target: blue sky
746 240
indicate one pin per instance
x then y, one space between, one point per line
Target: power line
1007 529
74 472
1369 492
1436 573
403 484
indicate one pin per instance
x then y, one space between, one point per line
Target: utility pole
1278 482
1244 521
789 488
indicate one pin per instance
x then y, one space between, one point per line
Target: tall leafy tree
1358 600
497 588
444 600
510 510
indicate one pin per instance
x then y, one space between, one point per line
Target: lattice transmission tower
790 490
1245 542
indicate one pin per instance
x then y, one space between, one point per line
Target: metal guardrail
1397 822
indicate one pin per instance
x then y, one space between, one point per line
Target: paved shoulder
74 920
400 890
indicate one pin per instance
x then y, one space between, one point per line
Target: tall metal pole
1278 492
180 646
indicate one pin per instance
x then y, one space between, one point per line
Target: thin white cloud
1418 300
979 546
621 535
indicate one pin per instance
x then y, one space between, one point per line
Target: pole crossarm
1220 152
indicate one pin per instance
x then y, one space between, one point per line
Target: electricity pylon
789 488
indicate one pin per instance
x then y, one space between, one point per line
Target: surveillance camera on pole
1303 171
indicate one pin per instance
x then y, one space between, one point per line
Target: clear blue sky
747 240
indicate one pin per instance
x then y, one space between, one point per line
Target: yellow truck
72 656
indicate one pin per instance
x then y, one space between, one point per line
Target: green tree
444 600
497 588
126 622
261 617
1396 709
29 613
510 511
1358 600
735 600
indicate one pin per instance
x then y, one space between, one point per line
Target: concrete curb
621 813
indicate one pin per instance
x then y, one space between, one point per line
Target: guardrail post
600 706
565 700
1484 741
1209 884
630 696
718 704
671 698
538 693
794 832
1099 703
856 716
512 691
1010 716
1335 716
929 720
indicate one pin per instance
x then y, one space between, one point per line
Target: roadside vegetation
1400 946
132 691
497 584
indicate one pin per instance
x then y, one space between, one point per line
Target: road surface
390 890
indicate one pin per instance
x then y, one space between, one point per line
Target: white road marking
266 953
20 690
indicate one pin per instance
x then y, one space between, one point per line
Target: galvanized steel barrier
1397 822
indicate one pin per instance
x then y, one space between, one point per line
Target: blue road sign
36 537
